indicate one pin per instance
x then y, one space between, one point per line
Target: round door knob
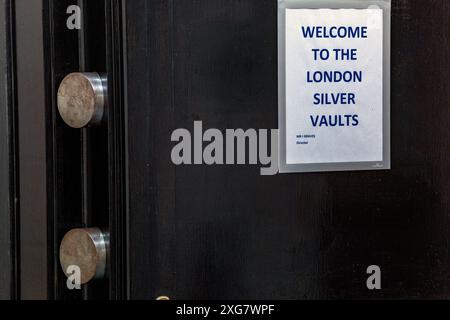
86 249
81 99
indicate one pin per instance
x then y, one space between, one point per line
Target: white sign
334 86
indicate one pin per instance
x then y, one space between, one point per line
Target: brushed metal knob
86 249
82 98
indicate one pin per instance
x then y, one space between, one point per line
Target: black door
220 232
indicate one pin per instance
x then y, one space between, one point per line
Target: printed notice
334 86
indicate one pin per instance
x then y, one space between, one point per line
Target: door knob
82 98
87 249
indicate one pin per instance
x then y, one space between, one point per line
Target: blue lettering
335 32
336 120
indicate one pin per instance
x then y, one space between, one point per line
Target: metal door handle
87 249
82 99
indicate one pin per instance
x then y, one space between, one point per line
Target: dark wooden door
214 232
224 232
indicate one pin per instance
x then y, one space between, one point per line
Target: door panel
224 232
93 157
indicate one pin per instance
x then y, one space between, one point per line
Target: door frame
8 159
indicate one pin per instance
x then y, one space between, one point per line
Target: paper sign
333 86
